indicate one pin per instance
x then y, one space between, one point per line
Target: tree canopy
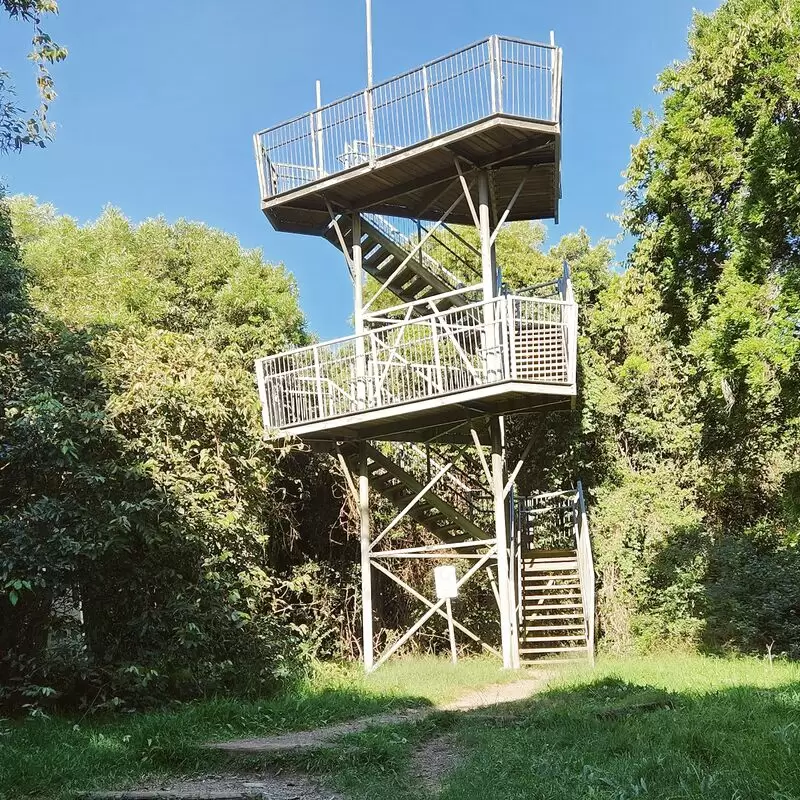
17 128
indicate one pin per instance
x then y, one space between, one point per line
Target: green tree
16 128
712 201
138 500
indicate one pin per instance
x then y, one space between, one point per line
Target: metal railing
508 338
583 548
465 492
556 521
496 75
544 521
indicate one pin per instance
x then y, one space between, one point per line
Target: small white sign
445 578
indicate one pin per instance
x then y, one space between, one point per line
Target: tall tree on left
19 128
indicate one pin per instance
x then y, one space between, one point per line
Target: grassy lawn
54 757
660 727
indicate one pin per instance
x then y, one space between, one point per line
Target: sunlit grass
671 726
54 757
667 727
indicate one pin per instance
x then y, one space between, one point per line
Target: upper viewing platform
395 148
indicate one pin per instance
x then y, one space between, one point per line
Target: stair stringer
445 520
426 283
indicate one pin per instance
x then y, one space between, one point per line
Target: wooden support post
366 566
503 576
358 312
451 631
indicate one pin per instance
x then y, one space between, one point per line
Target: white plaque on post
446 589
445 578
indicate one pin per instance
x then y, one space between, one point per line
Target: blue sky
159 99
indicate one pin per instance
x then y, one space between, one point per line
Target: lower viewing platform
508 354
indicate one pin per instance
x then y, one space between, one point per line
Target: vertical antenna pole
368 92
369 44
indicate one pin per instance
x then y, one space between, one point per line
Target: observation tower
412 179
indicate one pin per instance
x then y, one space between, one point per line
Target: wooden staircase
399 486
383 250
551 619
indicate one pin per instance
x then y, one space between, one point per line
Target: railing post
492 73
498 68
585 567
503 338
262 181
511 326
428 124
318 381
437 363
313 142
320 151
375 384
370 125
262 394
555 84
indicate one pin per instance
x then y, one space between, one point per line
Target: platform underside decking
421 182
443 418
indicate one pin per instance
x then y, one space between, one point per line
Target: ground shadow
610 738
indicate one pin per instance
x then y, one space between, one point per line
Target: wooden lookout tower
411 179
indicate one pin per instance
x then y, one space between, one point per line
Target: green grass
662 727
54 757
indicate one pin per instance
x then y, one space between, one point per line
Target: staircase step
576 648
544 617
532 587
534 596
381 264
562 638
534 607
571 627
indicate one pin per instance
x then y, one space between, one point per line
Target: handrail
583 549
494 75
419 358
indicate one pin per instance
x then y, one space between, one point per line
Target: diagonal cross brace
423 599
434 608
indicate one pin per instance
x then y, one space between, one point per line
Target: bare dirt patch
433 762
318 737
328 736
282 786
497 693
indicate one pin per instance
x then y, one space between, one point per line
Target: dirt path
328 736
430 764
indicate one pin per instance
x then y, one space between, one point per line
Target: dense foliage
138 501
712 201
